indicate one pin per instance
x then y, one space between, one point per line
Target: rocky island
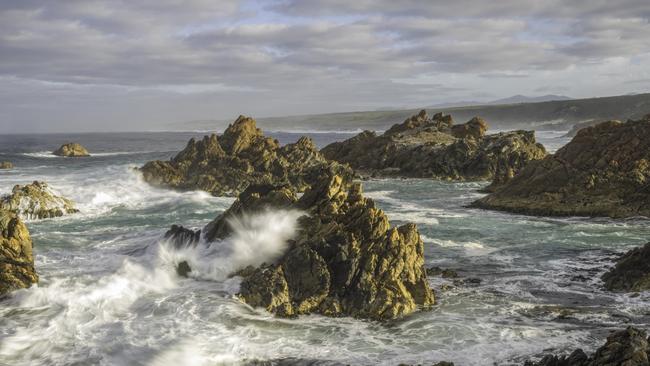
36 201
71 150
435 147
631 272
6 165
603 171
346 259
16 258
225 165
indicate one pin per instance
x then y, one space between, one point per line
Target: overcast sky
90 65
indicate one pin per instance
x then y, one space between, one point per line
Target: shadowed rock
225 165
436 148
346 259
181 237
628 347
71 150
16 258
36 201
603 171
631 272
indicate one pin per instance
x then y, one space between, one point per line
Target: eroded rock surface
71 150
16 258
225 165
628 347
603 171
434 147
631 272
345 259
36 201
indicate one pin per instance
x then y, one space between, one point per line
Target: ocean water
109 294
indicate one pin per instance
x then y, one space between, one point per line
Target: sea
109 293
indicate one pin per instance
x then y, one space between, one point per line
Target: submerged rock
631 272
424 147
16 258
603 171
6 165
71 150
225 165
36 201
628 347
345 259
182 237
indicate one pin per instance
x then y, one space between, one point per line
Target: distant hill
556 114
524 99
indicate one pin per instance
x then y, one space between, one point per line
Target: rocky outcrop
225 165
628 347
345 260
6 165
434 147
631 272
16 258
603 171
71 150
579 126
36 201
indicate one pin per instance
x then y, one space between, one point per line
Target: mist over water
109 293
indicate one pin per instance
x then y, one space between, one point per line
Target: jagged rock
631 273
426 147
36 201
346 259
579 126
226 165
6 165
628 347
603 171
183 269
16 258
182 237
71 150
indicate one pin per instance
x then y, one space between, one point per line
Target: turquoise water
109 294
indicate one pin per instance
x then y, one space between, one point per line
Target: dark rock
6 165
579 126
183 269
424 147
444 273
628 347
631 272
226 165
182 237
603 171
344 260
71 150
16 257
36 201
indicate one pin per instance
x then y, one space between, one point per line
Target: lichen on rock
225 165
36 201
424 147
16 257
603 171
71 150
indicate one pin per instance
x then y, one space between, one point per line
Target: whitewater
109 293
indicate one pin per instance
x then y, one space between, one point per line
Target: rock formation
631 272
71 150
227 164
436 148
16 258
603 171
6 165
36 201
628 347
580 125
346 259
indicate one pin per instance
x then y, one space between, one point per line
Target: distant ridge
554 114
524 99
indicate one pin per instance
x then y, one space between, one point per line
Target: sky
93 65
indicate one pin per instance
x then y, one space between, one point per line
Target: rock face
36 201
226 165
6 165
603 171
579 126
627 347
16 258
345 260
71 150
436 148
631 273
